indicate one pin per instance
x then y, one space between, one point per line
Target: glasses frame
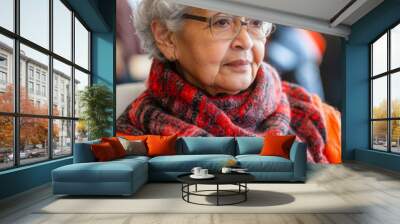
242 23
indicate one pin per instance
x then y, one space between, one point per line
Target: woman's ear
164 39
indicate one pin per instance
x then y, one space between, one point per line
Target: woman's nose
243 40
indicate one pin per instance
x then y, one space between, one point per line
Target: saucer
208 176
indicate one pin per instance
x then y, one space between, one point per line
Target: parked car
22 155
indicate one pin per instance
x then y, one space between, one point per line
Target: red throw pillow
161 145
116 145
103 151
275 145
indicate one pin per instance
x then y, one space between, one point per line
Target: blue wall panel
24 178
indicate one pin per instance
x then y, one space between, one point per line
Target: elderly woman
208 78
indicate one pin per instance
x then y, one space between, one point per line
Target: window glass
395 47
39 62
81 131
395 136
62 91
33 140
62 138
81 45
379 135
81 81
34 21
379 98
7 14
379 56
395 95
62 30
6 74
6 142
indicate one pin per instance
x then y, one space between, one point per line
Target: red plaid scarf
170 105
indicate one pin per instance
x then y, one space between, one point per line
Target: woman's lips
239 65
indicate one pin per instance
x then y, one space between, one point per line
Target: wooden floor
378 188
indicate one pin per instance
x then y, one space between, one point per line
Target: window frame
388 74
16 114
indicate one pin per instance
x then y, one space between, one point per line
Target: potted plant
96 103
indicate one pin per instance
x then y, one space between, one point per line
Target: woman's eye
222 22
256 23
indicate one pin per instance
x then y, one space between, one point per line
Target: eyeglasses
228 27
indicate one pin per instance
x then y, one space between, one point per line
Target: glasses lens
258 28
227 27
223 26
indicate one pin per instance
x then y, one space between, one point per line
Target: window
35 22
30 87
3 72
81 45
385 94
46 73
44 91
37 74
30 72
38 89
7 89
3 61
3 78
7 14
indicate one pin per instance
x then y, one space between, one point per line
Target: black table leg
217 194
245 193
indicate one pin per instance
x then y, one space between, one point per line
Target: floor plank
377 189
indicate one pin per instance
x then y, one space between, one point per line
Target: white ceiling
325 16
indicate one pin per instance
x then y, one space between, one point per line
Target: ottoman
118 177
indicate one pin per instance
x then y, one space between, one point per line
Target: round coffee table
238 179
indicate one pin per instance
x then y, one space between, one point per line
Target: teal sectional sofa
125 176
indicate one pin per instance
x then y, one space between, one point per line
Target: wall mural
196 72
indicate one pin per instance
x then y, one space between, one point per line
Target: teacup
196 170
203 172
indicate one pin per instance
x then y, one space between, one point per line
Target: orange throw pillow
161 145
103 152
275 145
116 145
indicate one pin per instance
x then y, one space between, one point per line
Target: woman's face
217 65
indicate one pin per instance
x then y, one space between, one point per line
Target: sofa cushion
83 152
249 145
257 163
112 171
206 145
185 163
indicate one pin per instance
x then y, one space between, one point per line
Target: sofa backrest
205 145
249 145
83 153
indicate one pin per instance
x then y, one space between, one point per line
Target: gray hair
166 11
